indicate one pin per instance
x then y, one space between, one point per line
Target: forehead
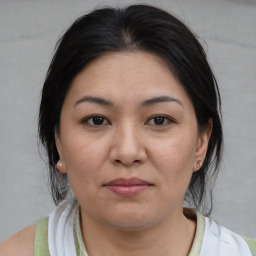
121 76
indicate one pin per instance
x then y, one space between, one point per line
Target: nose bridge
128 146
127 136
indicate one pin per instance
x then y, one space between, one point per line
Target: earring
59 164
199 164
61 167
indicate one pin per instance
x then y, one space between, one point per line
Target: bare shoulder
21 243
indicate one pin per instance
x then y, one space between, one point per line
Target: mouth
128 187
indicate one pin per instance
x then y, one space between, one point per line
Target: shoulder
228 242
252 244
21 243
246 246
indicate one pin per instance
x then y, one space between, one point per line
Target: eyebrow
146 103
160 99
97 100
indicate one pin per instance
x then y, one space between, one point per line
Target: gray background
28 33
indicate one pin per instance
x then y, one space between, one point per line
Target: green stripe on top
252 245
200 226
41 238
80 247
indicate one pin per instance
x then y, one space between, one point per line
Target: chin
130 225
130 220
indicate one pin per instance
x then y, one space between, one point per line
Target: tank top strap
41 238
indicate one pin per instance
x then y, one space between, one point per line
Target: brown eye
160 120
96 121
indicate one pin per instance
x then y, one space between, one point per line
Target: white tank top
60 235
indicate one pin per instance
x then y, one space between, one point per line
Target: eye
95 120
159 120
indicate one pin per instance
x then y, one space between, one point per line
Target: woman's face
129 140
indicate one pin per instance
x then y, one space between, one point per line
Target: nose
128 147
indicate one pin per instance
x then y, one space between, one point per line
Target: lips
128 187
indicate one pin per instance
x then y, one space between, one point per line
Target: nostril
127 163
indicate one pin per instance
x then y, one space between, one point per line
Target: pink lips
127 187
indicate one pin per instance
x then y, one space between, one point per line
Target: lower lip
128 190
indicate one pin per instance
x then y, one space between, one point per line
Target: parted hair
134 28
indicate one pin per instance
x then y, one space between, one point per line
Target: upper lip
127 182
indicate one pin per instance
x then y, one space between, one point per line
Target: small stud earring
59 164
61 167
199 164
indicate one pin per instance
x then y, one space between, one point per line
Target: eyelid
85 120
167 118
170 119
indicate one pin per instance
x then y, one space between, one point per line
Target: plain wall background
28 33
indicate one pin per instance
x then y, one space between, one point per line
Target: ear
202 145
61 163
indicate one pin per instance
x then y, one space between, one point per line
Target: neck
174 236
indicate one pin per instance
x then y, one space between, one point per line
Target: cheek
84 158
174 158
84 163
173 161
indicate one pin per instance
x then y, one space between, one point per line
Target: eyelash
167 120
87 120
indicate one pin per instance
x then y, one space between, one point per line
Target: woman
130 119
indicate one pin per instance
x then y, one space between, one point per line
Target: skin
21 243
127 142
